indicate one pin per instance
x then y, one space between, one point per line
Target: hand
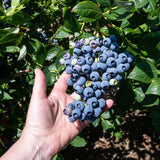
46 123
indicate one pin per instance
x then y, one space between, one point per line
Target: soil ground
138 141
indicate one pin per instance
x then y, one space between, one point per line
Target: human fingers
39 87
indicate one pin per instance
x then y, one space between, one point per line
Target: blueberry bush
40 33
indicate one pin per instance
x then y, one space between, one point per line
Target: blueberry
111 62
99 41
88 111
71 118
86 68
94 66
69 82
102 103
88 92
81 60
98 93
106 76
113 38
97 112
114 46
69 70
81 81
94 85
67 111
77 68
92 102
112 72
130 58
109 53
70 105
76 113
102 58
102 66
123 57
96 51
79 89
86 49
106 41
89 60
66 56
121 68
94 76
68 62
82 118
78 44
77 51
93 44
118 77
79 105
105 85
104 48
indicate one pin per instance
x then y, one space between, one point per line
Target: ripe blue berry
106 42
81 81
66 56
71 118
77 51
88 92
93 44
76 113
88 111
79 105
111 62
113 38
105 85
86 68
86 49
92 102
112 72
123 57
98 93
79 89
102 103
114 46
104 48
94 76
69 70
102 58
102 66
106 76
81 60
78 44
70 82
99 41
68 62
94 66
89 60
97 112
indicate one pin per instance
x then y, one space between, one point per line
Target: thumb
39 88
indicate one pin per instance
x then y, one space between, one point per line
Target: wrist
35 147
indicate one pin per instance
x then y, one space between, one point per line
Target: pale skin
47 130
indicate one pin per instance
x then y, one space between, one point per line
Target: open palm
45 119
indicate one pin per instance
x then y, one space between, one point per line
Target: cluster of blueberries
95 68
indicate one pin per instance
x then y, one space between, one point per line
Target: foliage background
37 34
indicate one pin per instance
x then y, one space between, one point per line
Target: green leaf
150 100
50 76
106 124
154 87
19 18
4 96
88 11
144 72
58 157
53 52
22 53
10 49
15 3
63 32
140 3
106 115
139 94
117 134
41 55
96 122
104 3
70 22
78 142
128 5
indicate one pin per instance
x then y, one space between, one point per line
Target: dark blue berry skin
78 44
98 83
111 62
114 47
118 77
68 62
86 49
121 68
71 119
86 68
81 81
113 38
106 41
109 53
94 85
77 51
112 72
104 48
71 105
98 93
106 76
75 75
118 61
69 70
81 60
102 66
79 89
97 112
90 118
76 113
82 118
70 82
75 85
79 105
94 66
102 58
105 85
115 55
88 92
94 76
99 41
102 103
123 57
89 60
92 102
88 111
130 59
